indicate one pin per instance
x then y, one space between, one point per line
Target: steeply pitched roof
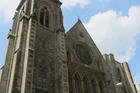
79 22
80 28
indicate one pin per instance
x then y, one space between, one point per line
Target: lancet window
77 84
44 17
86 86
93 86
101 87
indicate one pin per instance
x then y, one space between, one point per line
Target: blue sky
114 25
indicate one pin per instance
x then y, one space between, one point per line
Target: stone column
15 55
61 69
8 60
29 54
82 86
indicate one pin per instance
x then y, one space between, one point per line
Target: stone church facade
42 58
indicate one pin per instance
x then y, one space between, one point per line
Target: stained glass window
83 54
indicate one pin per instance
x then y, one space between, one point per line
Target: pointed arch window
101 87
93 86
86 86
77 84
44 17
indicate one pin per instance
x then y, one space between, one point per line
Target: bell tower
36 60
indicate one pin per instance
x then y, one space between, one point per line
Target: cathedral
42 57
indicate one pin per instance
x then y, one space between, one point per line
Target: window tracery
83 54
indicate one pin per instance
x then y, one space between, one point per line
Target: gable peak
79 20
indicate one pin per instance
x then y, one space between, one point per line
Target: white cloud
114 33
7 9
72 3
103 1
